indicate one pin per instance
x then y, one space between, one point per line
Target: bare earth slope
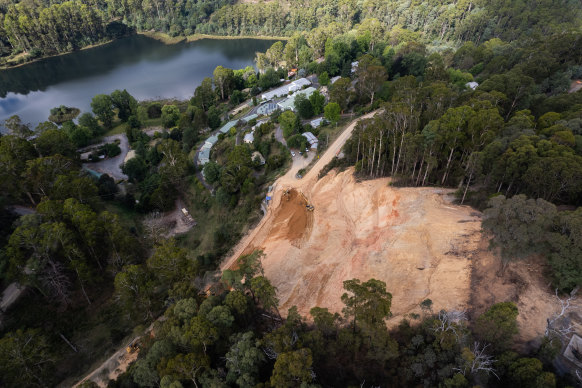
404 237
414 239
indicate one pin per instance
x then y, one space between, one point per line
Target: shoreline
159 36
91 46
167 39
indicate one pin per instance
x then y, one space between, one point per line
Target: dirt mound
292 221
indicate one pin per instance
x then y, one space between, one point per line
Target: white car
292 153
307 150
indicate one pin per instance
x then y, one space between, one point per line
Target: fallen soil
408 238
414 239
112 368
522 283
167 224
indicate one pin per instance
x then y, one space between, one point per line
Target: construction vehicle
187 218
133 346
308 206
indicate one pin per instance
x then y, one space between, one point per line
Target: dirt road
111 368
289 181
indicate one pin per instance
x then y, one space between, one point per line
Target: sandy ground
414 239
404 237
522 283
167 224
110 369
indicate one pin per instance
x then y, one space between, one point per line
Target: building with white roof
315 123
473 85
313 142
289 102
228 126
249 137
286 89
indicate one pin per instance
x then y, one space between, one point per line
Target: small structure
250 117
228 126
334 79
316 123
573 351
259 123
289 103
258 155
204 156
313 142
249 138
267 109
472 85
187 218
355 66
285 89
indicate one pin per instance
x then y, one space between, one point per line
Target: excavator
308 206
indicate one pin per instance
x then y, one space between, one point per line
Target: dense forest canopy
46 27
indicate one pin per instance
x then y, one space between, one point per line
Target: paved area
111 166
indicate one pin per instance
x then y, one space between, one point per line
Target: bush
154 110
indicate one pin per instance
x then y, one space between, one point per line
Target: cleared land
414 239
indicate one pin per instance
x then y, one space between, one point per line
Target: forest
474 96
37 28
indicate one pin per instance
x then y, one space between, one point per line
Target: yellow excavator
308 206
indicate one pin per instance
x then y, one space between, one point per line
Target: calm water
148 69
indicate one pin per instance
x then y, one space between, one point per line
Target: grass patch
117 129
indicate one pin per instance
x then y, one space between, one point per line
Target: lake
147 68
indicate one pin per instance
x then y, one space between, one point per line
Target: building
286 89
316 123
203 156
228 126
472 85
249 138
355 66
250 117
334 79
289 102
267 109
313 142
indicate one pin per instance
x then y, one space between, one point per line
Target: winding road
289 181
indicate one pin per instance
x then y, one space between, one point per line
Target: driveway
279 135
111 166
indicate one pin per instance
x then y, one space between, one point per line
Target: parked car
292 153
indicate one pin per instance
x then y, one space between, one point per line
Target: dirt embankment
414 239
405 237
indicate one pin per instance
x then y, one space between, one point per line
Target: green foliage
292 368
170 116
102 107
369 303
332 112
498 325
25 359
287 120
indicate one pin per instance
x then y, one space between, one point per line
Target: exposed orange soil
414 239
369 230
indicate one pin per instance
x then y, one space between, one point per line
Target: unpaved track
289 181
404 237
